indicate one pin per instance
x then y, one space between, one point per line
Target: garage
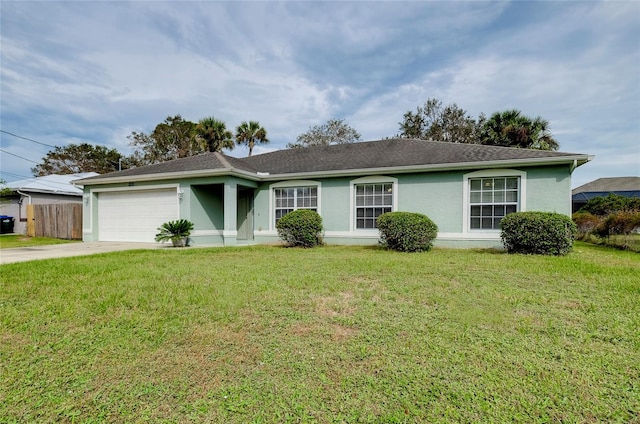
135 215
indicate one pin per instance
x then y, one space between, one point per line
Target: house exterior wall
201 200
211 204
439 195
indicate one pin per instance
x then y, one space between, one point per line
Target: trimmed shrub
302 227
543 233
406 231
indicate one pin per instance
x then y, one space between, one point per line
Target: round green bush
302 227
406 231
543 233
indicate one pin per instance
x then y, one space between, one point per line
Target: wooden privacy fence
62 220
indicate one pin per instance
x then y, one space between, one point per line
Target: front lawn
9 241
332 334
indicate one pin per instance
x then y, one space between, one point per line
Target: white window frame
377 179
490 173
291 184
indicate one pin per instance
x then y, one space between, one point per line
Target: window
490 199
288 199
372 200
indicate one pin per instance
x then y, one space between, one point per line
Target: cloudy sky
94 72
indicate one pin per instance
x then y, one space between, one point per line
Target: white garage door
135 215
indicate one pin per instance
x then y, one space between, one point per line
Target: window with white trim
371 201
490 199
287 199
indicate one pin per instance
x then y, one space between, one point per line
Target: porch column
230 232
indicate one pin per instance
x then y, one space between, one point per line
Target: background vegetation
612 220
177 137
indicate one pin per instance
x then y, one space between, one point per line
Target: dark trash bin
6 224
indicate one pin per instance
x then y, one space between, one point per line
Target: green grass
332 334
9 241
629 242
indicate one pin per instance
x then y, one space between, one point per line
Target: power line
28 139
13 154
22 177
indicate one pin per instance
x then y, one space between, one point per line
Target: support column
230 232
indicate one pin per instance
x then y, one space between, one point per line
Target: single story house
602 187
50 189
464 188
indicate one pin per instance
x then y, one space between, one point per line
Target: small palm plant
177 231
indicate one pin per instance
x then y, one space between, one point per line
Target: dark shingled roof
384 154
390 153
203 161
611 185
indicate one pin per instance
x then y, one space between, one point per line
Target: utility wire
28 139
22 177
13 154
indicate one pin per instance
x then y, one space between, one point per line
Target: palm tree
250 133
214 134
512 129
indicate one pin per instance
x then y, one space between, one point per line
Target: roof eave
261 176
32 190
169 176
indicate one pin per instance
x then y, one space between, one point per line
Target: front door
245 213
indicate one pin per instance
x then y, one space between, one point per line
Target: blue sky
75 72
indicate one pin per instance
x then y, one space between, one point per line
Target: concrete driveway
21 254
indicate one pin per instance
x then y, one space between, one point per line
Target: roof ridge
223 159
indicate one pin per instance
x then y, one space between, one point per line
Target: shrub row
606 205
604 217
599 229
546 233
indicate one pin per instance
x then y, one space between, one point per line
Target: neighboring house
602 187
39 191
464 188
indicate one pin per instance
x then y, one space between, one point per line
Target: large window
490 199
288 199
372 200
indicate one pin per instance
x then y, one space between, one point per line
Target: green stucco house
465 189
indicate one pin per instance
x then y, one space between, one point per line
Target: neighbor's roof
625 186
391 155
51 184
610 185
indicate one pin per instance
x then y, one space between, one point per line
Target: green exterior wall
211 204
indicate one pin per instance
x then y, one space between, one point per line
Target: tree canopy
77 158
214 134
512 129
509 128
435 122
250 133
172 139
334 131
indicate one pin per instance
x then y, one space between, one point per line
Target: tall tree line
511 128
173 138
176 137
